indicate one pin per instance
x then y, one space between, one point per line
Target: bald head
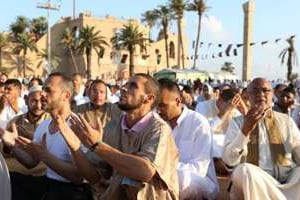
260 92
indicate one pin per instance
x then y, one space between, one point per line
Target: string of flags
230 50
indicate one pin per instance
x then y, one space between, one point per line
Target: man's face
52 97
260 93
12 92
77 81
98 94
286 99
34 103
133 94
169 106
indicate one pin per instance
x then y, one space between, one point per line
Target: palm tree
290 51
163 13
200 7
128 38
227 66
90 40
68 41
23 43
178 7
19 26
38 26
150 19
3 44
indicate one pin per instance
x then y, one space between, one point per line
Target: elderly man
193 137
137 154
62 180
264 148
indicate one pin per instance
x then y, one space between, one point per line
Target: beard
133 106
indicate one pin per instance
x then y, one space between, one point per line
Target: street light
49 6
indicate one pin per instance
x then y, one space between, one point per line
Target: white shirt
8 113
193 138
208 108
56 146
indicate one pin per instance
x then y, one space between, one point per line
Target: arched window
172 50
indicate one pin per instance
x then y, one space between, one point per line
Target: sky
223 24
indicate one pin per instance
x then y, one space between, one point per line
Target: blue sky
224 24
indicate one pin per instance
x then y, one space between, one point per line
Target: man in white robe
193 137
264 148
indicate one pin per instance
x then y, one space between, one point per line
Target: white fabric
56 145
79 98
8 113
208 108
250 182
236 146
296 115
196 172
5 188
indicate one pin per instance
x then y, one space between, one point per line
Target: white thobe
253 182
193 137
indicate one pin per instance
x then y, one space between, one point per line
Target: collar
137 127
181 116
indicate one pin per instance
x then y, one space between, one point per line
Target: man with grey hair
264 148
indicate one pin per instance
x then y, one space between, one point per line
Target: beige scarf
275 141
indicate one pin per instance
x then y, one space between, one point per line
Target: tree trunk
131 64
73 60
24 64
178 44
289 65
165 28
197 40
181 43
88 64
0 57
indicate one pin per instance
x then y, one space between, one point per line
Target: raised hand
38 150
87 134
71 139
251 119
9 138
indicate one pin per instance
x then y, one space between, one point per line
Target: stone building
114 63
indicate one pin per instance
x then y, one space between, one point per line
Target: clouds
213 29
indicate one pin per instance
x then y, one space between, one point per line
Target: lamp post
49 6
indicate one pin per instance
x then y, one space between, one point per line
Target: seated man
193 137
13 104
137 154
286 101
62 180
264 148
98 107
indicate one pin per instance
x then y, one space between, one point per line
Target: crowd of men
66 138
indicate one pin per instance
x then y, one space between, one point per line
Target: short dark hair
97 81
228 94
289 89
66 81
169 85
188 89
151 87
14 82
40 82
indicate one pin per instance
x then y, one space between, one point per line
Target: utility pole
49 6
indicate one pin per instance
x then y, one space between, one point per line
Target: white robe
193 137
251 182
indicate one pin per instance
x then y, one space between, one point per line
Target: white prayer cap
35 88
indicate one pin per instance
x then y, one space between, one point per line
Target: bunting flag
277 40
219 45
209 44
193 45
239 45
264 42
213 56
228 49
235 52
220 54
252 43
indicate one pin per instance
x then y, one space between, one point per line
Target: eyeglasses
258 90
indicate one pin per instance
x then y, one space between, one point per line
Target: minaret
248 8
